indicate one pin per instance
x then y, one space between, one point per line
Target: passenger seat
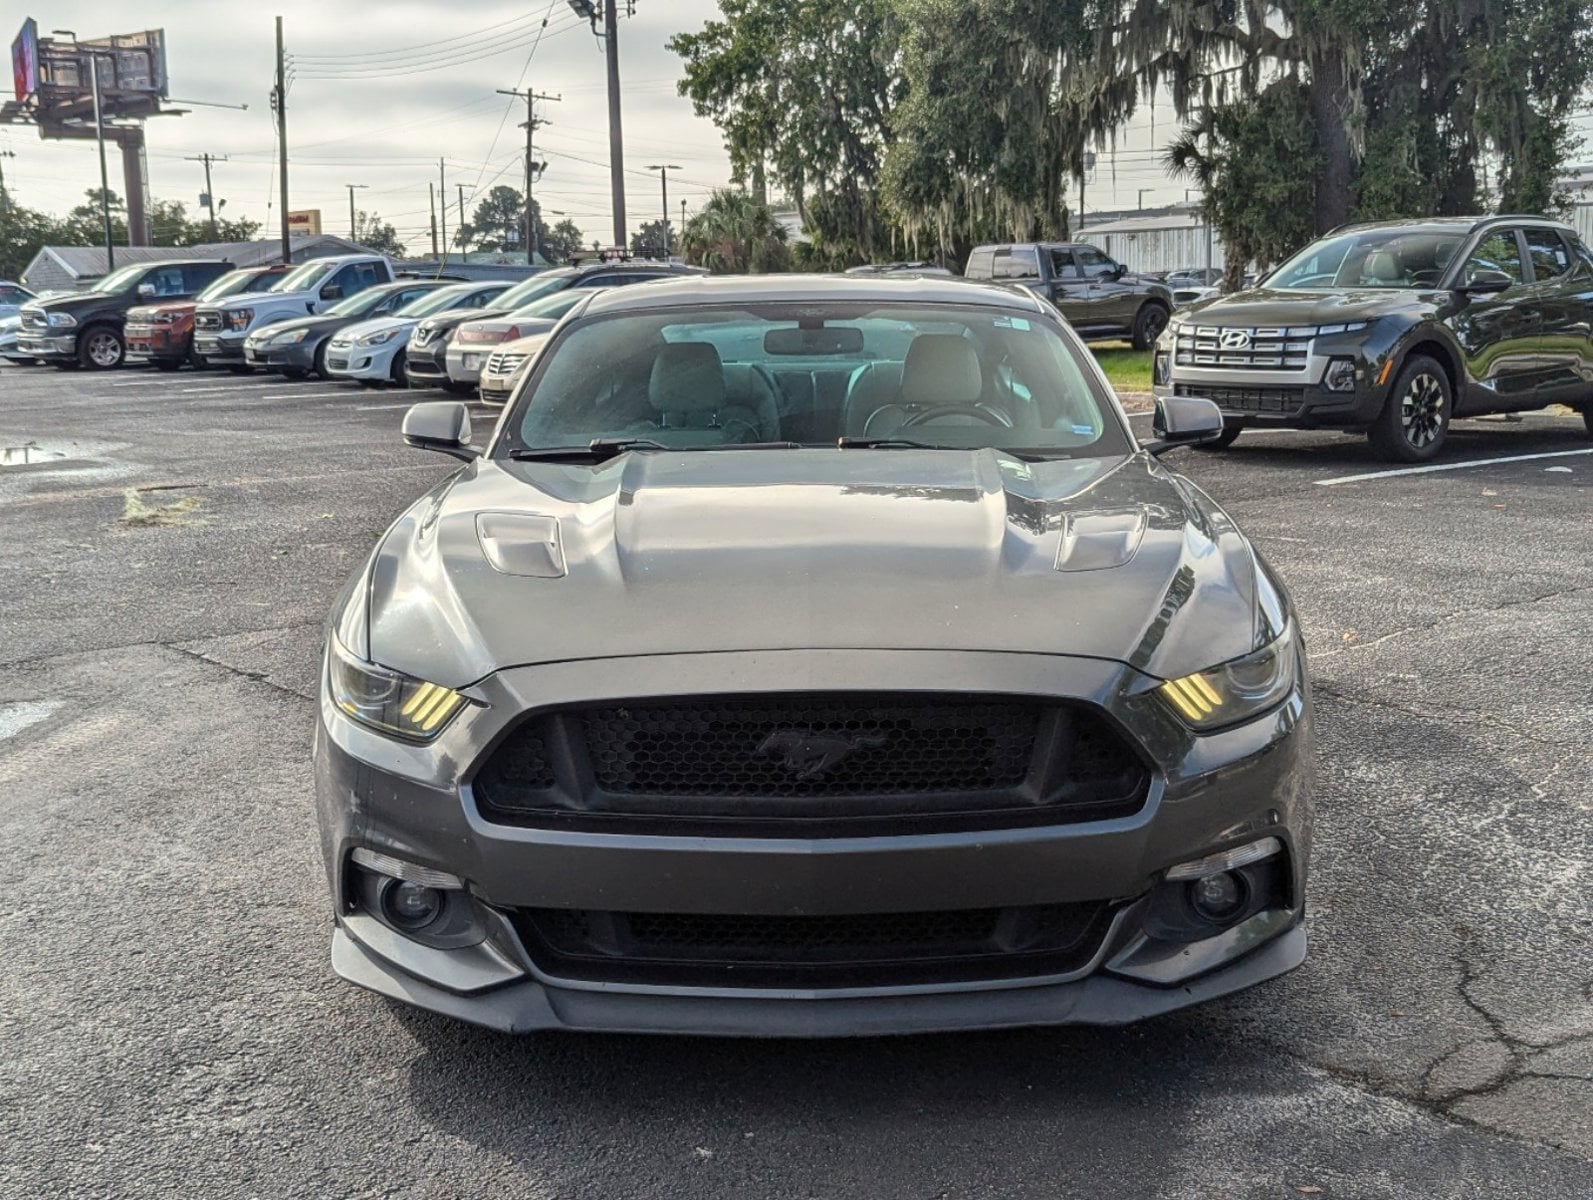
688 390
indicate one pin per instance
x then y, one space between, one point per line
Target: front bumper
51 348
427 364
362 362
219 347
496 389
1207 793
299 356
156 343
1246 401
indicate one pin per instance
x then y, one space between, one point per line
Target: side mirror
146 291
441 425
1486 283
1118 271
1184 421
332 291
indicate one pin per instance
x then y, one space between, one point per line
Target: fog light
1217 897
1340 375
1160 370
412 906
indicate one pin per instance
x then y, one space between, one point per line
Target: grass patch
136 512
1127 368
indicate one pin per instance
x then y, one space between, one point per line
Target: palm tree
734 234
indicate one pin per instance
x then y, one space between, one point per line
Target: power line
436 64
408 51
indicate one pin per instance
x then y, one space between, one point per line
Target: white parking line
1459 466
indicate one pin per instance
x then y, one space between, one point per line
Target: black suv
1392 329
86 329
1100 298
427 353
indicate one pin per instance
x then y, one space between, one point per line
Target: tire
100 348
1587 417
321 372
198 361
400 372
295 373
240 368
1230 434
168 364
1415 417
1149 322
460 389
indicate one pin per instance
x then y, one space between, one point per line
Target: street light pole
663 170
353 229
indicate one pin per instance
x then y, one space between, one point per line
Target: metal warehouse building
1160 240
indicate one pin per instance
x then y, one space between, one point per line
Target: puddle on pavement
28 453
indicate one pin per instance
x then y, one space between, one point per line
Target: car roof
688 290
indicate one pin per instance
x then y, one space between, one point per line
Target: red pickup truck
163 334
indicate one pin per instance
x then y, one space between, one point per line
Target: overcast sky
387 126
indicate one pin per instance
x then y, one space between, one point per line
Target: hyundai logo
810 755
1234 339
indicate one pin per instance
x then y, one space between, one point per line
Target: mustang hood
1284 306
751 550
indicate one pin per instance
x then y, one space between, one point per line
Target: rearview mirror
332 291
826 339
441 425
1184 421
1487 282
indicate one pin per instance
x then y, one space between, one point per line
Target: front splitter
528 1006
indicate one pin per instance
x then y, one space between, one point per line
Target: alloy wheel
104 350
1421 411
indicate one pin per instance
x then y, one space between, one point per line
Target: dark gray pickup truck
1100 298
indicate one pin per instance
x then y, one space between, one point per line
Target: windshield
304 278
120 281
233 283
1372 258
359 303
946 376
554 306
543 284
439 301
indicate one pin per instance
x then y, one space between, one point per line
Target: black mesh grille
1247 399
873 949
862 763
810 747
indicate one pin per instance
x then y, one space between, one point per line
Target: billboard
25 60
304 223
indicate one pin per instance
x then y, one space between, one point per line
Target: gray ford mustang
813 656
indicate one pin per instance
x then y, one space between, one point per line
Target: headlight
1340 375
239 318
165 318
292 338
391 703
60 319
1235 691
377 338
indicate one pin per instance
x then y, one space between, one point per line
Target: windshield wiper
598 449
603 449
886 443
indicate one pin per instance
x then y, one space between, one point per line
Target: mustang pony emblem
810 755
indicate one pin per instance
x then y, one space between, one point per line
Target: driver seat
940 369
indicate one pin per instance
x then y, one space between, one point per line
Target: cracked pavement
173 1027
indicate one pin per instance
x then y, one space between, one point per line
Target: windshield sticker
1018 323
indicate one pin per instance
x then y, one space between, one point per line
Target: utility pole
105 183
353 229
663 170
210 196
1087 164
431 196
616 142
280 99
442 192
532 167
464 247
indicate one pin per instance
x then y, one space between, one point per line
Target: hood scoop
521 544
1100 540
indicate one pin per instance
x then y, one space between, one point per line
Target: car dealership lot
173 1026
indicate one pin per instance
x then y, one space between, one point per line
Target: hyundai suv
1393 329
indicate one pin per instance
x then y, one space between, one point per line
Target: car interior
985 380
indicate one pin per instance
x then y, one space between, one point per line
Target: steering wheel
1427 277
1000 420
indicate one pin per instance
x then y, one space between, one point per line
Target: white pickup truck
219 329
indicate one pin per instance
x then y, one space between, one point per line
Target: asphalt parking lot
172 1027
